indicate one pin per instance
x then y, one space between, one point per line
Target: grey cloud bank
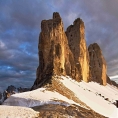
20 27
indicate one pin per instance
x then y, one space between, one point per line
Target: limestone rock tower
98 65
77 43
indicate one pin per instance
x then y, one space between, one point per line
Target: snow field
92 95
37 97
17 112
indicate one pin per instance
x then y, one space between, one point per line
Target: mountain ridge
71 79
66 53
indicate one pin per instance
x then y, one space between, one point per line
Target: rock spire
66 53
98 65
55 57
77 43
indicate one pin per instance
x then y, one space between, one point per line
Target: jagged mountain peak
66 53
68 76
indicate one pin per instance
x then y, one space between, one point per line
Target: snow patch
17 112
38 97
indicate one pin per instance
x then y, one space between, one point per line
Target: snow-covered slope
17 112
94 95
97 97
37 97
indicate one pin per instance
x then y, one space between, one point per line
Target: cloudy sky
20 26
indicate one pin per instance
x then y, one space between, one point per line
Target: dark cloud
20 27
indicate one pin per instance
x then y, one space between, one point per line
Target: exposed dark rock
114 83
109 81
10 91
61 111
1 98
0 95
20 89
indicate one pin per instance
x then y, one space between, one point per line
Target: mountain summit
70 77
66 53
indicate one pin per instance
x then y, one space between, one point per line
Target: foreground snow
37 97
92 94
17 112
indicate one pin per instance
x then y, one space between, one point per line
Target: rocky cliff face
55 58
98 65
77 43
58 55
66 53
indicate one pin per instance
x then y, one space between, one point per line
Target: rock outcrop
66 53
1 98
77 43
110 81
98 67
61 111
56 56
10 91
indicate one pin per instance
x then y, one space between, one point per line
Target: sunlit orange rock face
98 65
77 43
64 53
55 57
